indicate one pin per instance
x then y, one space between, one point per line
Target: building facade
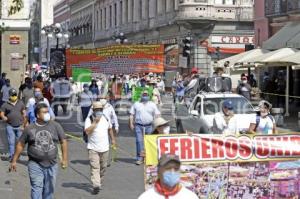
261 23
62 16
14 41
218 28
277 26
81 23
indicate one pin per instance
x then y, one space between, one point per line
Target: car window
197 105
214 105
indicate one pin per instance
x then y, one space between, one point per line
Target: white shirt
31 102
184 193
144 113
161 85
221 127
265 126
98 140
86 99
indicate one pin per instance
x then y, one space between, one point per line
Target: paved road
122 180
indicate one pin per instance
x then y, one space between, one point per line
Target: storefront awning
283 38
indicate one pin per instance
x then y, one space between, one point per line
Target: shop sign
14 39
224 39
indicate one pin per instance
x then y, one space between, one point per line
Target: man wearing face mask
13 113
85 101
26 90
168 184
225 122
32 102
161 126
263 122
142 115
5 91
98 128
42 138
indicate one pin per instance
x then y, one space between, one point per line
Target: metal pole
57 42
48 53
287 91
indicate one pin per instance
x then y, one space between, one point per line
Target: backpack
84 135
258 120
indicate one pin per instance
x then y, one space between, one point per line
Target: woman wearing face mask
244 88
263 122
168 184
85 101
161 126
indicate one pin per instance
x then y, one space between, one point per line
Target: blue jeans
42 180
139 138
13 134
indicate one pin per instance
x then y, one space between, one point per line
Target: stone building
218 28
14 41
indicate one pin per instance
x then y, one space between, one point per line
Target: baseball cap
194 70
12 92
228 104
166 158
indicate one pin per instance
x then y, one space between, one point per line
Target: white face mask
166 130
244 81
263 114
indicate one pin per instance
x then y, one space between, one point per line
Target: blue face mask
37 94
98 113
171 178
145 98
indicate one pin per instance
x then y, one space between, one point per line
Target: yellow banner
218 148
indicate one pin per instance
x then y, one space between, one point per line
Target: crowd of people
29 114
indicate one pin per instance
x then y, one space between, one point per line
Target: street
123 178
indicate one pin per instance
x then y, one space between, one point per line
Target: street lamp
121 38
49 31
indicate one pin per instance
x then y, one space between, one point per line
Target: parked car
197 116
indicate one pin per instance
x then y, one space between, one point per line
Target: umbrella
242 58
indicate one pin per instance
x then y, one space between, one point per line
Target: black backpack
84 135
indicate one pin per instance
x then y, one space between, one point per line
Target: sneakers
139 162
96 190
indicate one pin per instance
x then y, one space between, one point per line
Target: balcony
215 12
275 8
81 39
293 6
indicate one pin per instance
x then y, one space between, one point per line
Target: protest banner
125 58
245 166
137 93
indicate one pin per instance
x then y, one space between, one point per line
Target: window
121 12
97 20
116 14
214 105
140 9
110 16
126 11
105 18
101 18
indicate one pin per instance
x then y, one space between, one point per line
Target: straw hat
159 122
97 104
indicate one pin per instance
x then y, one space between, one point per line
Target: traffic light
187 47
